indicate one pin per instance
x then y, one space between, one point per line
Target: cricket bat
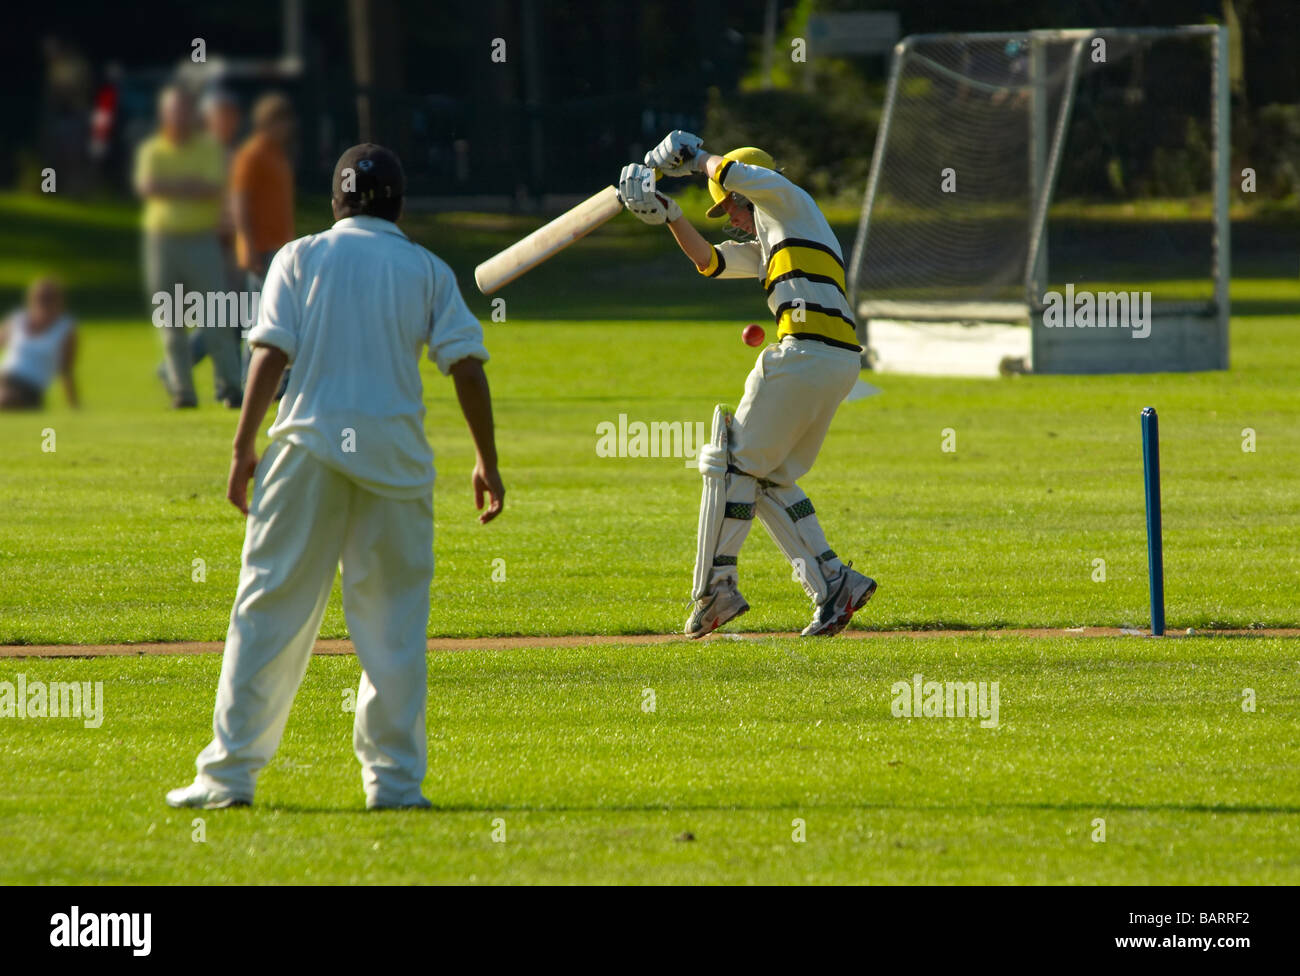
547 241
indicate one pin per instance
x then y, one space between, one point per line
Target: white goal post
1052 201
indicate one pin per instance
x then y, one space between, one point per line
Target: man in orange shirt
261 189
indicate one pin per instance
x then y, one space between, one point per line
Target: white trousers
304 518
791 396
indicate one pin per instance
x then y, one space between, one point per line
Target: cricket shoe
847 592
714 609
205 798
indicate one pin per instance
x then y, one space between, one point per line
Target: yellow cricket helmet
749 155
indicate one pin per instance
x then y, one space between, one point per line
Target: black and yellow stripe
798 259
795 257
804 320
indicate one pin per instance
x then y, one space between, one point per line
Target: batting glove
677 155
712 461
636 190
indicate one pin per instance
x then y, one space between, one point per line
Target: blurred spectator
222 119
180 173
103 119
261 191
261 187
65 137
39 342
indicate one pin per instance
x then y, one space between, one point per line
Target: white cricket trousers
304 518
791 396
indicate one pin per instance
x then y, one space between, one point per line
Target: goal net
1021 182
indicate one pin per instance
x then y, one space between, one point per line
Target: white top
351 308
35 357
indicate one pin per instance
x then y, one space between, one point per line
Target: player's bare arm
636 188
264 370
476 404
691 241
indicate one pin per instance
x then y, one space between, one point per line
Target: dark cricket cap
378 175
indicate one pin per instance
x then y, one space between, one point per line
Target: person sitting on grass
39 342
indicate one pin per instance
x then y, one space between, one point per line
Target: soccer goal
1053 200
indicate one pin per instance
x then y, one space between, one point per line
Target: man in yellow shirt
180 174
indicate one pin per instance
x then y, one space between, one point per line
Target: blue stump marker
1155 549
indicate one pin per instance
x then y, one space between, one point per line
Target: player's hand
636 189
677 154
242 466
487 481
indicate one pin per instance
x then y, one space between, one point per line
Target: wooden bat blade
547 241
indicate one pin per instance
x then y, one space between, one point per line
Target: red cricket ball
753 335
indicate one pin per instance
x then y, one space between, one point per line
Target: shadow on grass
974 809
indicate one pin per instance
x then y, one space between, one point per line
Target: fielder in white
759 451
348 476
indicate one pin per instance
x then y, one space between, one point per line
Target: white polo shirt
351 308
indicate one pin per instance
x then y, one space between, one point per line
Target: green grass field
100 536
745 738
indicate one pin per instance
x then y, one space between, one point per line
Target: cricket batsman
347 477
758 452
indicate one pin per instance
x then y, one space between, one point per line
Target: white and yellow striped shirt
796 256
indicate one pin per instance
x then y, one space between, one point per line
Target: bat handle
686 154
658 176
